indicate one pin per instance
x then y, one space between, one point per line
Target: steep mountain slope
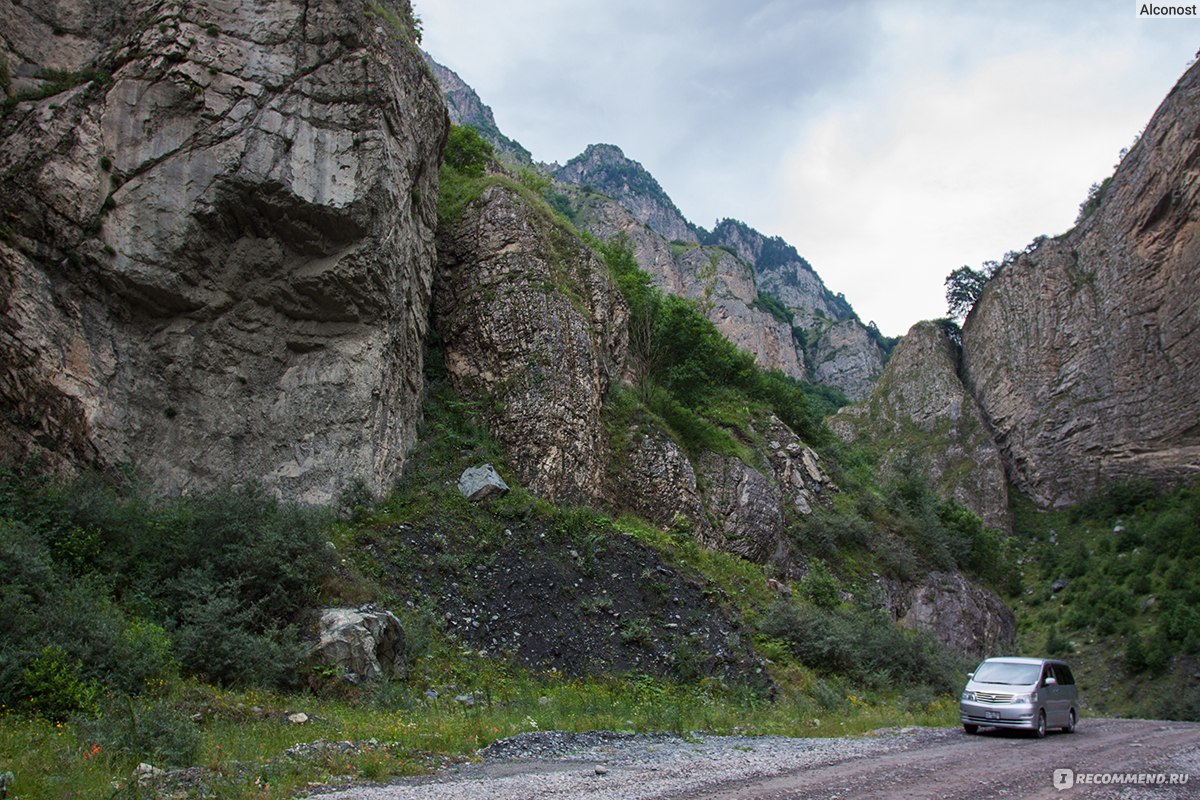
605 169
920 419
465 108
217 239
1083 353
840 351
758 291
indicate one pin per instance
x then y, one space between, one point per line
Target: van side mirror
1051 681
970 676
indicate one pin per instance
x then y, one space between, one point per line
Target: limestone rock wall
605 169
967 618
535 330
218 245
1083 354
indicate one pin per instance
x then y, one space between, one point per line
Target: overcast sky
890 141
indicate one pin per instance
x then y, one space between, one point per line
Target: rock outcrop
745 508
919 417
1083 353
725 503
218 242
535 330
364 644
967 618
656 480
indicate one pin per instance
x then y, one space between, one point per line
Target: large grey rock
478 483
964 616
218 262
367 644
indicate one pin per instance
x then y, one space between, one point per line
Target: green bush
152 730
864 646
127 583
467 152
53 686
821 587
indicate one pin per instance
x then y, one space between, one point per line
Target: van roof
1020 660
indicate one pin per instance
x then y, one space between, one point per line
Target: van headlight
1025 698
968 695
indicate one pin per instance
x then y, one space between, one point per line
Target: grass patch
243 740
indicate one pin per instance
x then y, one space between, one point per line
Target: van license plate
991 714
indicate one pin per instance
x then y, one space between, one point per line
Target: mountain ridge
781 312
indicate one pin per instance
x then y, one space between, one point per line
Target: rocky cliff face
218 242
920 417
535 329
535 333
838 350
1083 353
465 108
966 618
722 285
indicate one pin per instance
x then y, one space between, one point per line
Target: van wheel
1070 726
970 729
1040 731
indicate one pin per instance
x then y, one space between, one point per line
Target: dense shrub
129 584
863 645
466 151
946 534
151 729
53 685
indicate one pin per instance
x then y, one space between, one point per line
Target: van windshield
1008 673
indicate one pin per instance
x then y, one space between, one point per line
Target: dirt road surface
905 764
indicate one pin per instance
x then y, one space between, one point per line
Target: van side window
1063 674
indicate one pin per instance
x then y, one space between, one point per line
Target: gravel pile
603 764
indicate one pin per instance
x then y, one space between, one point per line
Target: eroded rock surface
1083 353
218 252
966 617
365 644
535 329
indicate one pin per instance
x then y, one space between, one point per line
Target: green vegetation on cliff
1114 585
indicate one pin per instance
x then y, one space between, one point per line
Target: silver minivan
1030 694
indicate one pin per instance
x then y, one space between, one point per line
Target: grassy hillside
1114 586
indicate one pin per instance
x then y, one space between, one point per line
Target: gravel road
904 763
